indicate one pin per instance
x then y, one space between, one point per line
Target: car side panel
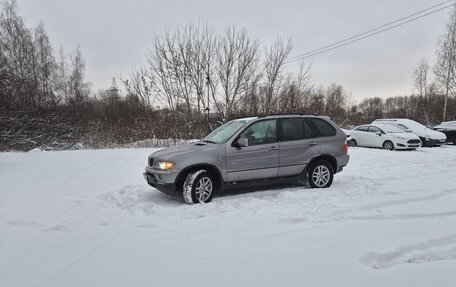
252 162
360 137
294 155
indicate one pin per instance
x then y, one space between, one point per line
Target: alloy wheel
321 175
203 189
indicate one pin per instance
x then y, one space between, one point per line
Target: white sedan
384 136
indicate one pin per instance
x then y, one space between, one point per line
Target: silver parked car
251 152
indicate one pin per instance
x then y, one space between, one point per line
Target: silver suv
251 152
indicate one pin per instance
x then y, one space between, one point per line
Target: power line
370 32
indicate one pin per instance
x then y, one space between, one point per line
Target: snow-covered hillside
87 218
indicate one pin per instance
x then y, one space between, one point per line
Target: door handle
313 143
273 148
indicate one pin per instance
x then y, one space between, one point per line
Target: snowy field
87 218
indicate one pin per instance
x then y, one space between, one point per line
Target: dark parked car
449 129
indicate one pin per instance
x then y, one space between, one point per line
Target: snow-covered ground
87 218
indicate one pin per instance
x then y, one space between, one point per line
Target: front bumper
167 188
432 142
403 144
163 180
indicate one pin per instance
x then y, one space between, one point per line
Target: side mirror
243 142
379 134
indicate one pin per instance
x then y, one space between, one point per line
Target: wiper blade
208 141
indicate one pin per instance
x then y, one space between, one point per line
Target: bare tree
295 93
46 66
78 88
335 102
236 68
18 52
273 70
62 77
139 84
168 73
420 77
445 66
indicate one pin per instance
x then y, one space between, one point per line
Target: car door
375 137
360 135
258 160
297 145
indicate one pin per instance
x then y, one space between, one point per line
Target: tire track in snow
443 248
390 203
80 258
404 216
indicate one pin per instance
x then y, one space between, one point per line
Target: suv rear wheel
198 186
320 175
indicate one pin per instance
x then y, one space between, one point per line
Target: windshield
412 125
225 132
390 129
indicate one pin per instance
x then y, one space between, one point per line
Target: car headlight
164 165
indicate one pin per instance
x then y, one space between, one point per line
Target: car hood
428 133
448 126
407 136
176 151
434 134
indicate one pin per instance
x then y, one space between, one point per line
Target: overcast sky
115 34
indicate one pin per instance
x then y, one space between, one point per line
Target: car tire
352 143
319 175
388 145
199 186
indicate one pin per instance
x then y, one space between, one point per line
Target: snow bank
87 218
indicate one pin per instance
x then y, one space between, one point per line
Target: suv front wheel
198 187
320 175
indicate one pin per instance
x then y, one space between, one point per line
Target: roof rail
279 114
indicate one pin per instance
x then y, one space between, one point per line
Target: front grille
151 161
414 141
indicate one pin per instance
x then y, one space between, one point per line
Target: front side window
374 130
261 132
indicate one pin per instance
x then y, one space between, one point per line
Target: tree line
194 79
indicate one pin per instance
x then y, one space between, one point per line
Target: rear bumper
342 161
167 188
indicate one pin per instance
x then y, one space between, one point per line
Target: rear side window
362 129
291 129
308 132
321 127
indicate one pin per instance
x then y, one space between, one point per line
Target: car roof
295 116
249 119
384 126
